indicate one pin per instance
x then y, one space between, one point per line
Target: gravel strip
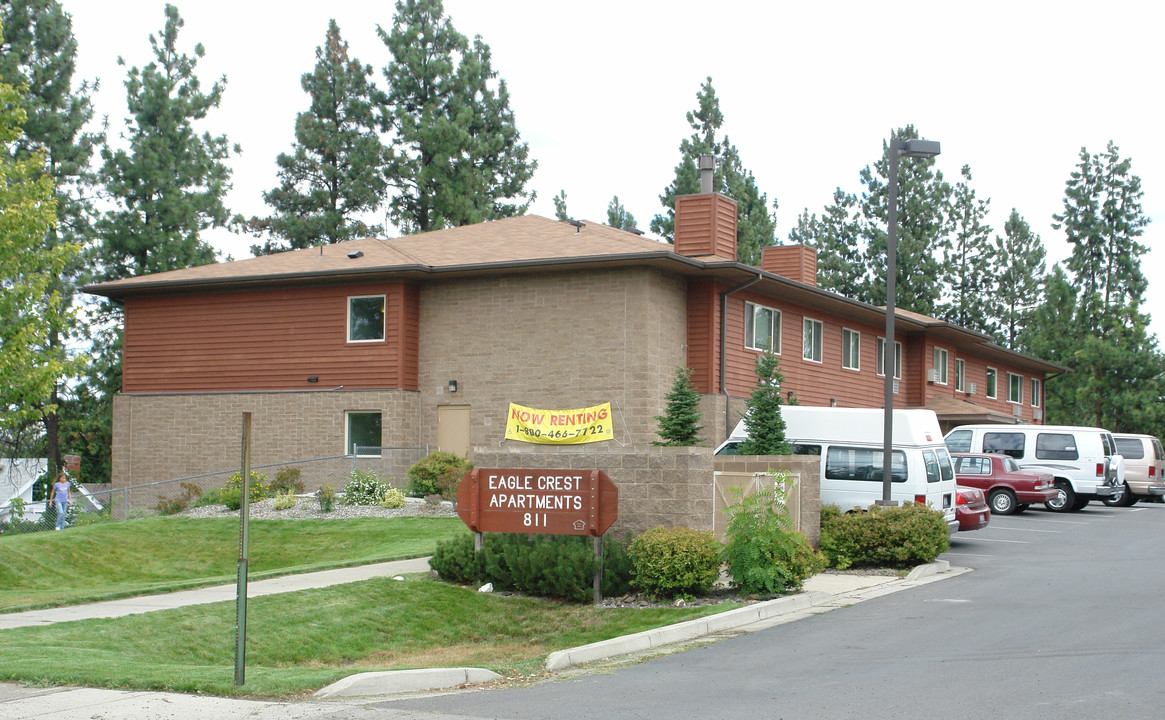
308 508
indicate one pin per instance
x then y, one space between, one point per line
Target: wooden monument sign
552 502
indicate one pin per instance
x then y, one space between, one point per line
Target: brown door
453 429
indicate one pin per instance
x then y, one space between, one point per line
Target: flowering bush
364 488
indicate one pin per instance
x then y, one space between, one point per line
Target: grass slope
119 559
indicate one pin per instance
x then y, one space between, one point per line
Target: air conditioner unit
971 388
895 387
932 375
1038 414
1017 410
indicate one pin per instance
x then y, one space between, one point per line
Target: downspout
724 343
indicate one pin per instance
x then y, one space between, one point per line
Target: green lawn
120 559
299 642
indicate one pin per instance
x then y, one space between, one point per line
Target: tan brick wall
162 437
556 342
657 485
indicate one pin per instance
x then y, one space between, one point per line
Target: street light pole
898 148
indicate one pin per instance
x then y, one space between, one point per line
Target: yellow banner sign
559 427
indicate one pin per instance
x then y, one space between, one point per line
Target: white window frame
1037 387
991 384
814 350
941 366
881 351
851 349
1010 397
750 311
348 429
960 375
383 318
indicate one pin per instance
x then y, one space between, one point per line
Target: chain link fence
97 503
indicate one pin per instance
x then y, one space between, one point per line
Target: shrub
285 501
902 536
173 506
287 481
764 555
327 497
257 485
555 566
392 498
364 488
674 562
210 497
437 473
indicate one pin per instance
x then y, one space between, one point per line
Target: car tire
1080 504
1064 500
1125 499
1022 506
1002 502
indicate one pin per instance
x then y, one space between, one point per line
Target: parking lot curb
393 682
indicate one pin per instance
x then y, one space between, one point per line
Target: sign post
241 591
541 501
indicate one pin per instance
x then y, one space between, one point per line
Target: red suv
1008 488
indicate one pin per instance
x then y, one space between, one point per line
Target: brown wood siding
704 335
705 225
267 340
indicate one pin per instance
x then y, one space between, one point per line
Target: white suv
1083 460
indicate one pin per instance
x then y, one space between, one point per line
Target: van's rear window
845 463
1130 448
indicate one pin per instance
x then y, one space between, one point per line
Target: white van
850 444
1083 460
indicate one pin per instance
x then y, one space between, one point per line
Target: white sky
809 91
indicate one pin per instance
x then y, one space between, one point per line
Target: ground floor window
363 431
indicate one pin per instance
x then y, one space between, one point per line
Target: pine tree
972 301
618 217
38 52
678 425
755 225
1053 333
1019 262
836 238
335 172
457 157
560 206
766 427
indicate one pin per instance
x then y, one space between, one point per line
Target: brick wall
162 437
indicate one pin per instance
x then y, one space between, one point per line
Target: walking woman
60 495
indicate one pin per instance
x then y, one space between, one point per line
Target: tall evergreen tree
1052 332
335 172
618 217
678 425
755 225
766 427
457 157
836 238
38 52
1019 262
971 301
560 207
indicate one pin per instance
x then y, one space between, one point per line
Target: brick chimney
796 262
705 223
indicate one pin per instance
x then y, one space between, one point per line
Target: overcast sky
809 91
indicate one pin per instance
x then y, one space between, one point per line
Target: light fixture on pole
898 148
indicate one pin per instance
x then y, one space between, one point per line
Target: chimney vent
707 167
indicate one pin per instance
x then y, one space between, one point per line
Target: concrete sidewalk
352 697
217 593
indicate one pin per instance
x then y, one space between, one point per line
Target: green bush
173 506
437 473
287 481
674 562
364 488
285 501
392 499
210 497
232 498
327 497
900 537
764 555
554 566
257 485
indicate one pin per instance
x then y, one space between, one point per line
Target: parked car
1008 487
849 442
971 509
1144 468
1083 460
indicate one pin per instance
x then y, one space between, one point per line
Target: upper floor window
365 318
1037 391
992 393
762 328
960 376
811 348
1014 388
851 355
940 366
882 359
